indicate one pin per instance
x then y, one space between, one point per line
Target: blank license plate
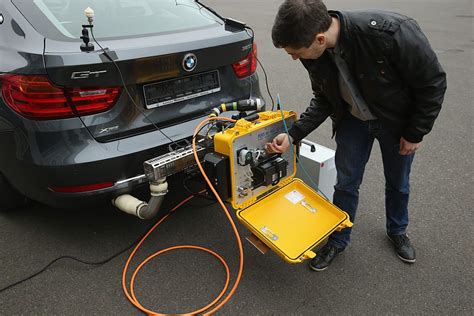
177 90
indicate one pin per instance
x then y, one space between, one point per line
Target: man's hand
280 144
407 148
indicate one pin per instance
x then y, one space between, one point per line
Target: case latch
308 255
345 224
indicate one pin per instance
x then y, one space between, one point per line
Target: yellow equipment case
287 215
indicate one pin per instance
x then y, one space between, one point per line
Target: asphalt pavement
367 278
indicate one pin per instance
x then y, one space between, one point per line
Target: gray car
78 119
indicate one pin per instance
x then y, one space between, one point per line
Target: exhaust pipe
131 205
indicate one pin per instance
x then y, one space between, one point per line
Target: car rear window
63 19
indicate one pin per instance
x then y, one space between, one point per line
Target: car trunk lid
145 69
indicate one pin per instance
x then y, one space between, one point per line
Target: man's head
300 28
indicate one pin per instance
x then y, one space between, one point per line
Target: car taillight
247 66
36 97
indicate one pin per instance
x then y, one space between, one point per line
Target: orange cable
131 296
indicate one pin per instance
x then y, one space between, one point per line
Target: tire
9 197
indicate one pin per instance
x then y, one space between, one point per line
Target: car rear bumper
37 163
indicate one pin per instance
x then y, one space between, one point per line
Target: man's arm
418 66
318 111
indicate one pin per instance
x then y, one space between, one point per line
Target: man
375 74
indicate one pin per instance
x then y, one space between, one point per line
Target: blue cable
300 165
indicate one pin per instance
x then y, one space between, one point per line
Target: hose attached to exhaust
131 205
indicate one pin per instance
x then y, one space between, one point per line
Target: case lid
293 220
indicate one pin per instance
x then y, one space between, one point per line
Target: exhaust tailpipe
131 205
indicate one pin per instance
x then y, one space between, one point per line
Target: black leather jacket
394 67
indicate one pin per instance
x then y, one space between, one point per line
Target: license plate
181 89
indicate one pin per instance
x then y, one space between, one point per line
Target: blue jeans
354 139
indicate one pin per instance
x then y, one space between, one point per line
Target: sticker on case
294 197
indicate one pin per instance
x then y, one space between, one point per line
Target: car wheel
9 197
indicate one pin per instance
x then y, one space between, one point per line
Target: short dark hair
298 21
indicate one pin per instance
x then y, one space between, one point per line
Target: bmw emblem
189 62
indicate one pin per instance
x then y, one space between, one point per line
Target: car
85 101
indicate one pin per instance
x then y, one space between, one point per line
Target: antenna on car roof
87 46
227 21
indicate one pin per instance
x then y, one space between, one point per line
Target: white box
319 165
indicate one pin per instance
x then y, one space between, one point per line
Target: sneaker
403 247
324 257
